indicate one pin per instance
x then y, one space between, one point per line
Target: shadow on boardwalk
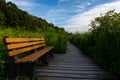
72 66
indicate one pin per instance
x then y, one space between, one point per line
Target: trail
73 65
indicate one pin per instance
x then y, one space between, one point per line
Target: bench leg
11 70
44 60
28 69
50 54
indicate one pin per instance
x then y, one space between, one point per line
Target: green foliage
2 18
52 39
61 45
17 23
58 40
11 16
102 42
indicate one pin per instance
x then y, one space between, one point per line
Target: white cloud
8 0
80 22
63 0
88 3
82 6
23 3
56 16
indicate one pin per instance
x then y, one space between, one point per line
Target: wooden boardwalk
72 66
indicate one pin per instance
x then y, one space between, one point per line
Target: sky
72 15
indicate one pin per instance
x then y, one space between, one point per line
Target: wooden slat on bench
16 52
9 40
14 46
33 57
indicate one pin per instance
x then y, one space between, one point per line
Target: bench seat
23 54
34 56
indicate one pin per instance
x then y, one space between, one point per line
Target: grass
104 49
58 40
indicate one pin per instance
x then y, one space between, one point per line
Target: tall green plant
59 41
103 41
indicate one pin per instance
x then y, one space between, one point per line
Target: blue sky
73 15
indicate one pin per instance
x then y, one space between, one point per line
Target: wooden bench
24 52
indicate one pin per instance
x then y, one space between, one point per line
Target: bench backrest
17 46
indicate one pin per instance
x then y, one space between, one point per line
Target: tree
106 32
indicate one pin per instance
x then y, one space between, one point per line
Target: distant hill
12 16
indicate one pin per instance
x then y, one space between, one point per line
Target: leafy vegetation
11 16
17 23
58 40
102 42
51 39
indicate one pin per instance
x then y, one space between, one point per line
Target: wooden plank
33 57
59 78
19 45
10 40
72 71
68 68
72 66
76 76
16 52
63 78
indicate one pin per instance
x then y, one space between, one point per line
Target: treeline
12 16
102 41
17 23
58 40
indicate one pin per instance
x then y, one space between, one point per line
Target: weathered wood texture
16 46
72 66
19 45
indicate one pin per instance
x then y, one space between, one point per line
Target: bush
52 39
103 41
59 42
